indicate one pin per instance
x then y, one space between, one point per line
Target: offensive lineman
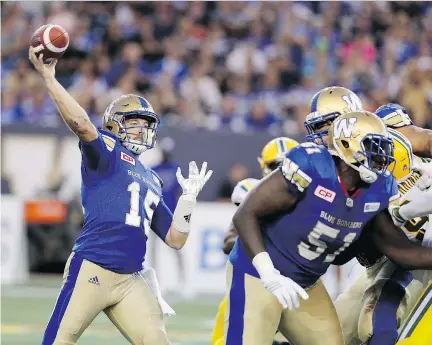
298 220
399 292
122 202
272 155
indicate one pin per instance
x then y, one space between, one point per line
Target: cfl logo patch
325 194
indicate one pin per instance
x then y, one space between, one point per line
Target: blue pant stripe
385 314
236 309
62 301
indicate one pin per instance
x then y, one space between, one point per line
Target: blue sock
384 337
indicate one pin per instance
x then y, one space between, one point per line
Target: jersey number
311 148
415 226
321 229
151 199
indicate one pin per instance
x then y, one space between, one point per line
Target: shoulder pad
242 189
109 139
301 162
394 116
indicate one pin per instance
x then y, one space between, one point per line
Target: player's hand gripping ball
51 41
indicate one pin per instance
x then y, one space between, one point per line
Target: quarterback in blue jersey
295 223
122 201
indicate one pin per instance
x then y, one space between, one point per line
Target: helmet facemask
373 159
314 124
148 131
377 153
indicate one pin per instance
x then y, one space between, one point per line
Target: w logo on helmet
354 103
345 126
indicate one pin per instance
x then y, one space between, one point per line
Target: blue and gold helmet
127 107
363 142
326 105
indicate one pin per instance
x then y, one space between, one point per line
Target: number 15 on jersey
150 199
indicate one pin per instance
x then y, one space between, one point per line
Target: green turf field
25 311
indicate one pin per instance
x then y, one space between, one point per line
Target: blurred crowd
242 66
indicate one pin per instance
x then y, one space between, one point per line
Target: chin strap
134 148
367 175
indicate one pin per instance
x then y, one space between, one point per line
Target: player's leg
218 330
348 306
315 322
253 313
385 302
417 327
83 296
136 312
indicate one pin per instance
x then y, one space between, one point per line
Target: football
51 41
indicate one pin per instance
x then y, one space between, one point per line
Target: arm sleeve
96 153
297 170
162 219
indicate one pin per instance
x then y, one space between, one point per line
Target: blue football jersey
324 222
122 202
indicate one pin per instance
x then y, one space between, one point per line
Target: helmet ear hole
345 143
109 128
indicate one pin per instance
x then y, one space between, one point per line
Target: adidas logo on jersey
187 218
94 280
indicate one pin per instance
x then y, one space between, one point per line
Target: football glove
187 201
425 169
196 180
286 290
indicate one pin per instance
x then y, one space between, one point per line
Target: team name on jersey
340 222
409 183
139 176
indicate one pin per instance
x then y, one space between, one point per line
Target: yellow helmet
404 159
132 106
274 152
363 142
325 106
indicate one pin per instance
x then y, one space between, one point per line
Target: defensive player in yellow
271 156
417 328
